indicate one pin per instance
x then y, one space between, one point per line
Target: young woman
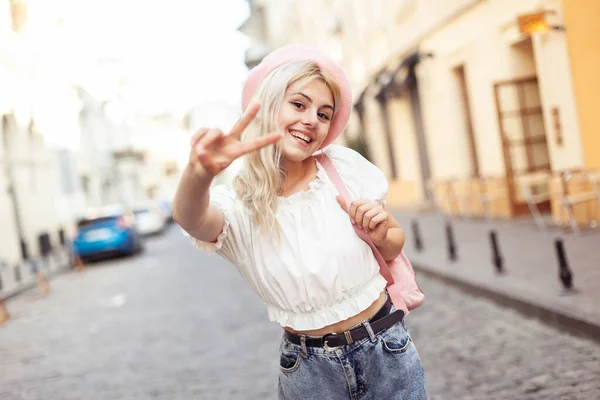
290 234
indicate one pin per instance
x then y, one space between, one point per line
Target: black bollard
417 236
564 273
497 257
450 241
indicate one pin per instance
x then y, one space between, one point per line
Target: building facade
29 181
456 99
56 158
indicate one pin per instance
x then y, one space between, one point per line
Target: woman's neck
297 175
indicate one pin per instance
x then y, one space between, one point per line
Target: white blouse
320 272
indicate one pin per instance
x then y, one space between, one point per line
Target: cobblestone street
177 324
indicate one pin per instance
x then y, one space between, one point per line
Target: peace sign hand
213 151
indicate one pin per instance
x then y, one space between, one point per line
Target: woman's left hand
369 216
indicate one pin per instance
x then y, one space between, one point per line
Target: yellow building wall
583 38
486 41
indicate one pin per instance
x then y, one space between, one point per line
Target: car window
86 222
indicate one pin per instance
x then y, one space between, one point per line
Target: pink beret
297 52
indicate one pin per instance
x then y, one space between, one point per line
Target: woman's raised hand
213 151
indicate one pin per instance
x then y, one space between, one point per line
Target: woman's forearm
393 244
191 199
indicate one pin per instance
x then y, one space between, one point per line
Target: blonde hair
260 182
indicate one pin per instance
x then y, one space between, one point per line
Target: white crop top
321 272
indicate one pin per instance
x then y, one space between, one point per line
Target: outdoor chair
594 179
534 189
487 198
444 196
466 196
585 180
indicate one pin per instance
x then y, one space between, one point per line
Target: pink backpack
399 274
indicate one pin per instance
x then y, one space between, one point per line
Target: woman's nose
309 119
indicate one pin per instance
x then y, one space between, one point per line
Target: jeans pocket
289 361
395 339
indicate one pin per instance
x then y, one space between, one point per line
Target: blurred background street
482 114
176 323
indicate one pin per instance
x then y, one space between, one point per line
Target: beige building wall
35 184
404 140
9 242
25 156
375 135
485 41
556 87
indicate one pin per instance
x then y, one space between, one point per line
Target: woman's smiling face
305 117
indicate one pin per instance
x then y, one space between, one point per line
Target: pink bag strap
333 174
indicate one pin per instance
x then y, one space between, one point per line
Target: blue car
107 236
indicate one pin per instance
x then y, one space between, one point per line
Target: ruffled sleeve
363 178
222 197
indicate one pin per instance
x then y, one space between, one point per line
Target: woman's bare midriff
346 324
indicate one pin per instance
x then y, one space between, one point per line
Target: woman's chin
296 154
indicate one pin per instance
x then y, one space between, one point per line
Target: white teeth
301 136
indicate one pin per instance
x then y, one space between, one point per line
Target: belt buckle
326 346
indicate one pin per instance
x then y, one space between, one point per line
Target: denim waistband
287 344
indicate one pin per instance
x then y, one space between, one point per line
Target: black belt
380 321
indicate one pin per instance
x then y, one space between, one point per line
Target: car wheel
139 248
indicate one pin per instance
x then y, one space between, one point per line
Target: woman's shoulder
339 152
350 161
362 175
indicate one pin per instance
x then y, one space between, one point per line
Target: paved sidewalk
15 279
530 282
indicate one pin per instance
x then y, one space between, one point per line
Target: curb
9 294
562 321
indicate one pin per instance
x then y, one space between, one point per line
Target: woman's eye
298 105
324 116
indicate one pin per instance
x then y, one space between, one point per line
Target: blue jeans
383 366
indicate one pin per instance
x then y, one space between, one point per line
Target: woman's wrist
391 246
383 243
199 174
